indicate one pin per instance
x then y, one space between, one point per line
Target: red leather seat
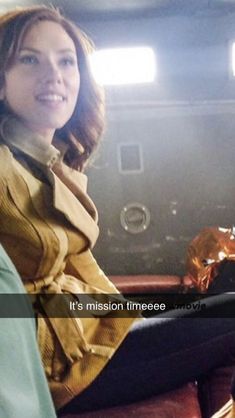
148 283
214 389
181 403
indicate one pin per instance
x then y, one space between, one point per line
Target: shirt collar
17 135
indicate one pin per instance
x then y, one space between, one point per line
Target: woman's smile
52 100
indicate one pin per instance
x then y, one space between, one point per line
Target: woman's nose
52 73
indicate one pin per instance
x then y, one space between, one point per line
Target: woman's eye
28 59
68 61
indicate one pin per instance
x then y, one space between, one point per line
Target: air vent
135 217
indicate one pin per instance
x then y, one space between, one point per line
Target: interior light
123 65
233 58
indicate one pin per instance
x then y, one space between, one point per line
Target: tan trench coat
47 231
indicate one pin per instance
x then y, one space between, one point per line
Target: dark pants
160 354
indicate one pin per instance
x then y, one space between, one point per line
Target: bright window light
123 65
233 58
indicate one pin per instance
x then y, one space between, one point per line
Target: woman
51 120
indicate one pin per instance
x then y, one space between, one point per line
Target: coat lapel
64 201
79 210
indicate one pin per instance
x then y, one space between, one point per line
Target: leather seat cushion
180 403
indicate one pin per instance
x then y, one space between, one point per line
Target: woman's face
42 85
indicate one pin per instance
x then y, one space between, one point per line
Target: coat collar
17 135
69 189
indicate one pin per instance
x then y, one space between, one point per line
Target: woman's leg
160 354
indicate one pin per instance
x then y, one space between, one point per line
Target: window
130 159
123 65
233 59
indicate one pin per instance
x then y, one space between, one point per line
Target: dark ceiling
91 9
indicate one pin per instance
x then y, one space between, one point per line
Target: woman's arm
84 267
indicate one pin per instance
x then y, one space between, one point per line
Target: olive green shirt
24 390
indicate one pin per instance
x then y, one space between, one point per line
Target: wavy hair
83 131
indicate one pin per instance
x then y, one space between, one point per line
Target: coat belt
68 328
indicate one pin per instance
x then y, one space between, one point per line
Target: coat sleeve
84 267
5 157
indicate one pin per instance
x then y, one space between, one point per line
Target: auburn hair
83 131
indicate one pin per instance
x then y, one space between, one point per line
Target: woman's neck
45 134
